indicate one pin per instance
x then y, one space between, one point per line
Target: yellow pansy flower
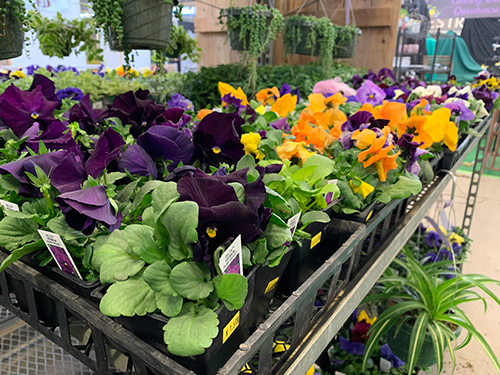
261 110
289 149
251 141
364 316
364 138
452 236
18 74
364 189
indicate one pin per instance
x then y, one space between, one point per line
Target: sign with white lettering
466 8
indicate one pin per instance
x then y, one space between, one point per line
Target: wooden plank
371 17
208 25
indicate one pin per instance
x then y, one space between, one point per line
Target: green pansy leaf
148 186
163 196
36 207
15 232
239 190
325 167
19 253
304 174
192 331
60 226
157 276
314 217
232 289
181 221
140 239
169 305
277 235
259 253
114 259
128 298
191 281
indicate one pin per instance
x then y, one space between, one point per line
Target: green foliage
182 44
424 298
59 37
15 10
345 35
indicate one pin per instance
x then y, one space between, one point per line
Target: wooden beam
370 17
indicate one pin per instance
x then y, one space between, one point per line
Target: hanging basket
146 25
347 49
400 345
234 35
302 48
11 36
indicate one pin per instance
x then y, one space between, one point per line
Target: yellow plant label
231 327
272 284
369 216
316 240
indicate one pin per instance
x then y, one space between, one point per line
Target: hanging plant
251 29
309 35
346 41
13 22
59 37
135 24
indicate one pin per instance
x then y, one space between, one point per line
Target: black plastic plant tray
450 158
103 339
150 329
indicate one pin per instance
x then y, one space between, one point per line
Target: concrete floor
484 259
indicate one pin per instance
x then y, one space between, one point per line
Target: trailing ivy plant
180 43
345 35
59 37
256 26
16 10
322 36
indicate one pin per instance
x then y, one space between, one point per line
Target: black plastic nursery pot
301 48
11 35
146 25
360 217
233 330
325 240
267 280
234 35
450 158
347 49
400 345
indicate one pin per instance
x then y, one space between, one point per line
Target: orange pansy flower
319 138
289 149
415 125
284 105
370 108
301 131
266 96
385 164
203 112
394 112
364 138
419 109
318 103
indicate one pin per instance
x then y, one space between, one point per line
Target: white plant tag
293 222
231 261
98 105
339 373
9 206
385 365
60 253
333 181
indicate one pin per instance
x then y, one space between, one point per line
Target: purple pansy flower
459 108
87 117
431 257
106 150
46 85
386 352
69 174
217 138
73 93
174 117
386 73
356 121
138 162
351 347
445 254
19 168
281 124
337 362
31 69
179 101
486 95
84 209
370 93
286 89
411 151
457 248
100 70
232 102
55 137
20 109
433 239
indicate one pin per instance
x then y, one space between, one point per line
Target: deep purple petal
137 162
69 175
108 147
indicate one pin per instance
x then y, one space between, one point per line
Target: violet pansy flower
281 124
370 93
386 352
351 347
19 109
433 239
73 93
411 151
88 118
179 101
138 162
84 209
459 108
106 150
55 137
69 174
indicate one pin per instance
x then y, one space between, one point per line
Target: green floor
469 160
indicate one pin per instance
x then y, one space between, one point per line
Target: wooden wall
378 20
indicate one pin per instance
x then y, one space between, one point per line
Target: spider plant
427 297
